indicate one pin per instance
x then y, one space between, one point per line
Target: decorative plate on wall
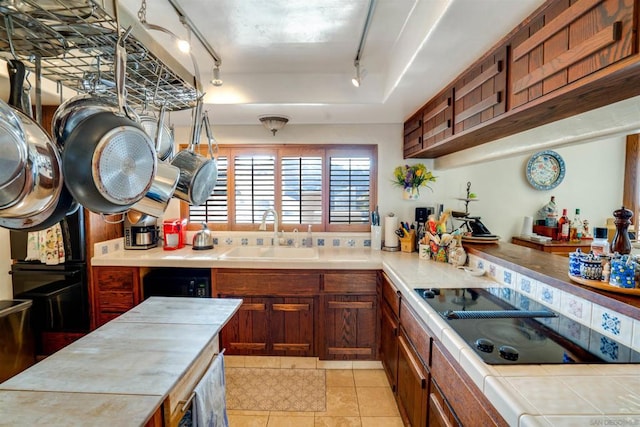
545 170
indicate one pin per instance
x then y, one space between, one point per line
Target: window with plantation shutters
254 190
215 209
301 179
331 187
349 190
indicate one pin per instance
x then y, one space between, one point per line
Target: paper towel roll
390 236
527 226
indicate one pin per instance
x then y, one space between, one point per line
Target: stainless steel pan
198 174
109 162
37 196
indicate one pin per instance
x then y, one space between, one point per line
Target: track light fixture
363 37
216 80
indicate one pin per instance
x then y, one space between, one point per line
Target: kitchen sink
270 252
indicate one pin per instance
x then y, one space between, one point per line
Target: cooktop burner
506 327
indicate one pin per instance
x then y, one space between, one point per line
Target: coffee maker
140 232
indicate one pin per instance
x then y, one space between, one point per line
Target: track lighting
216 80
363 37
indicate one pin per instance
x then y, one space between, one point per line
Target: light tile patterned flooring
358 395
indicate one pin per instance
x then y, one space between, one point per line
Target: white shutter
301 190
254 177
349 190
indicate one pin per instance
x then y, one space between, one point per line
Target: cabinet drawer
351 282
438 119
267 283
116 302
390 295
180 394
466 400
418 334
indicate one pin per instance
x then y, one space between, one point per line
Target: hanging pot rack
74 41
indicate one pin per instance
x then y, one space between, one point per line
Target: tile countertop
525 395
128 365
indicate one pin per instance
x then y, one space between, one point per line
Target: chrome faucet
263 225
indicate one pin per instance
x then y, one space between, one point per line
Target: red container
175 233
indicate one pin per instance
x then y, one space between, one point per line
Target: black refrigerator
59 292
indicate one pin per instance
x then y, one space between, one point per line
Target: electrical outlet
104 249
116 247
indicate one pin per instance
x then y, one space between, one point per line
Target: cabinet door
389 344
413 135
248 330
413 379
480 94
350 325
291 326
115 291
567 41
437 119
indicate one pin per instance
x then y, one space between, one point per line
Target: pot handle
159 129
207 129
104 218
197 124
16 71
120 72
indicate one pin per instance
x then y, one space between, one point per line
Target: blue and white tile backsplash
252 238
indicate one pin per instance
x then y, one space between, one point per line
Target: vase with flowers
411 178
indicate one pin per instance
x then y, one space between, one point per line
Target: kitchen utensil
109 162
164 183
40 186
13 155
160 132
198 174
203 239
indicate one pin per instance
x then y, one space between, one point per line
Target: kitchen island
133 370
523 395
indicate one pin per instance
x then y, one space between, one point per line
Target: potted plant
411 178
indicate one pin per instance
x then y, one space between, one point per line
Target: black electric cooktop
506 327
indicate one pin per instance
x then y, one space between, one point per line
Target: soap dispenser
309 240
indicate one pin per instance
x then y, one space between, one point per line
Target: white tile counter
525 395
128 365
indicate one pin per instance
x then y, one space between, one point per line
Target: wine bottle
563 226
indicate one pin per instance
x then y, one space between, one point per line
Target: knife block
408 242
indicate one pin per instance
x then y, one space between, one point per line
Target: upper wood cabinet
567 41
567 58
437 118
413 135
480 94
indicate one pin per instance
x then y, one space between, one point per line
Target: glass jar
600 244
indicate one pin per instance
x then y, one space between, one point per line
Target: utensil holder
408 242
376 237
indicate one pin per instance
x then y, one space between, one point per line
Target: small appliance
175 233
140 232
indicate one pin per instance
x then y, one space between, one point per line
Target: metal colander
124 165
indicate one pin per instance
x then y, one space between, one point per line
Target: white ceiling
296 57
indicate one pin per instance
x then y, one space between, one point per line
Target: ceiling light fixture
216 80
274 123
357 80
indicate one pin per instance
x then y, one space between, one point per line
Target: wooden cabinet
460 398
440 412
437 119
413 381
349 315
278 314
567 58
115 290
413 135
389 329
480 94
567 41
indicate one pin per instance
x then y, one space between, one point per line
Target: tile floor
358 395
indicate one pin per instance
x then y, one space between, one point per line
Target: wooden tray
604 286
478 239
